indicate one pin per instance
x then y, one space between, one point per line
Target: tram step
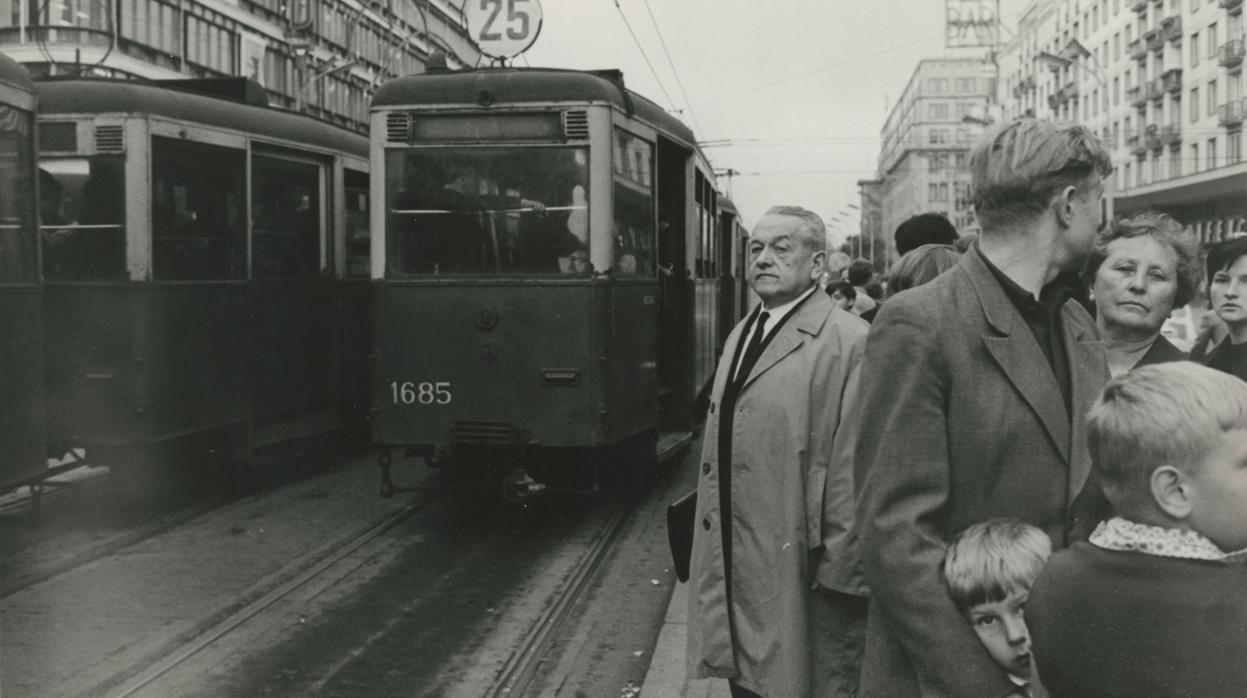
671 443
286 429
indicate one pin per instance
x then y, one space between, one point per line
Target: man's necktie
753 350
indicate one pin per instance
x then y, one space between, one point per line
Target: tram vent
576 124
397 127
109 139
473 432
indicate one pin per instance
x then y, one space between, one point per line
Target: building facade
324 57
1160 81
923 165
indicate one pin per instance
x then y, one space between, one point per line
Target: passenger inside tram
487 211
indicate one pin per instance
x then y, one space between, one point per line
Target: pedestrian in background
1143 266
862 274
921 265
754 616
924 229
1227 294
972 391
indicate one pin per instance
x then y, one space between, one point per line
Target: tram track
522 666
294 575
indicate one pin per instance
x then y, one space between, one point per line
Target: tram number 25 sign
503 28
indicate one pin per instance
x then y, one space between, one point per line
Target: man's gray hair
1016 169
815 232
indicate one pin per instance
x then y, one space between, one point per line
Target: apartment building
926 142
320 56
1161 82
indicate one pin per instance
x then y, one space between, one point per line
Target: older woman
1143 266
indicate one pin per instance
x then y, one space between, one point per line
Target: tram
22 457
204 256
550 269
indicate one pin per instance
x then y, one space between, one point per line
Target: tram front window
17 214
487 211
82 217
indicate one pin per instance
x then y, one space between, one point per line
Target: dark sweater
1230 358
1108 623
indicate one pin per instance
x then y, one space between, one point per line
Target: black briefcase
681 517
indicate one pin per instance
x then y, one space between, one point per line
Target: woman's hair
920 265
1224 254
1167 231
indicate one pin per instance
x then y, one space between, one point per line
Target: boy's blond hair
992 559
1163 414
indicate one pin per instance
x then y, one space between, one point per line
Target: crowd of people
1001 479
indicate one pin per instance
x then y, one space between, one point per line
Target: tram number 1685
427 393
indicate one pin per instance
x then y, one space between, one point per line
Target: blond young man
1155 604
972 392
989 570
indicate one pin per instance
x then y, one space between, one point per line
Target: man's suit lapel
1019 357
1088 362
807 319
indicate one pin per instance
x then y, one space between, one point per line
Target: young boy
1155 603
989 569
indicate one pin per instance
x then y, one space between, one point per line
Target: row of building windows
1195 158
962 86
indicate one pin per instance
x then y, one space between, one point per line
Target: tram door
290 295
675 332
729 313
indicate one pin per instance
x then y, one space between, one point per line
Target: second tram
549 267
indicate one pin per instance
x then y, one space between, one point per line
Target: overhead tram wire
679 83
644 55
822 69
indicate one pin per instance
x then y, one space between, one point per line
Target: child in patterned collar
1154 604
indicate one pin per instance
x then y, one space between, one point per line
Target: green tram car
553 272
206 266
22 456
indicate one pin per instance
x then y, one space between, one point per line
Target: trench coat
961 420
784 425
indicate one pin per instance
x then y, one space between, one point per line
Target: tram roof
14 74
103 96
523 85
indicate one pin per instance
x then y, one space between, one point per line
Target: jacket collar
808 319
1123 535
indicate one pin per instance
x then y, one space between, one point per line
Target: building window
937 136
1212 153
1212 41
938 110
1175 163
1194 157
1194 49
966 85
1233 147
1212 97
1194 104
1126 183
937 86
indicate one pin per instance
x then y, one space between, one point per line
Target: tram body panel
21 383
137 364
501 364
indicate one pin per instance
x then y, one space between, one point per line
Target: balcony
1154 41
1136 96
1230 53
1171 135
1230 4
1054 103
1171 80
1231 113
1156 89
1171 28
1139 6
1137 50
1071 90
1152 139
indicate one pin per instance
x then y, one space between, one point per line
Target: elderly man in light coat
755 617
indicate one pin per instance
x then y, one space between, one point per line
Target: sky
800 88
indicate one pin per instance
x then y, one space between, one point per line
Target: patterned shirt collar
1119 534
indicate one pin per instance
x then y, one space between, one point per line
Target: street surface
280 594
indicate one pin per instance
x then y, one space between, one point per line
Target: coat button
705 524
705 468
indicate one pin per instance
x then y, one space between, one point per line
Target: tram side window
82 217
487 211
18 253
285 218
358 234
634 225
197 211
